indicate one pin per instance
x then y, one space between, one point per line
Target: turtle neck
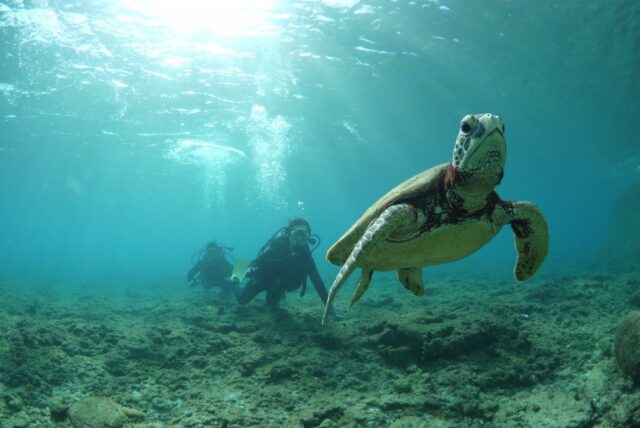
467 192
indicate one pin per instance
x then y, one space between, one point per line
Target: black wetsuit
278 271
212 270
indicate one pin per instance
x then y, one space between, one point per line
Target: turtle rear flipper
389 220
412 280
532 238
362 286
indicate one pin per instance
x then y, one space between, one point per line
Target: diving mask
299 236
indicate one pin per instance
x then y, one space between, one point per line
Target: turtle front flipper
532 237
389 220
412 280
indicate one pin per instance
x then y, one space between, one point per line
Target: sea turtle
440 215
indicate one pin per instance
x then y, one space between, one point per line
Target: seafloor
473 352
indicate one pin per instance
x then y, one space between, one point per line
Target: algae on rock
101 412
627 346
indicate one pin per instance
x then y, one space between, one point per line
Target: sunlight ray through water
238 18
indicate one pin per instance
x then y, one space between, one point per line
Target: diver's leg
246 294
274 297
226 290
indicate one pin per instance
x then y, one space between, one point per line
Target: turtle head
480 149
478 161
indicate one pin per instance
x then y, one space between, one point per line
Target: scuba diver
212 268
283 265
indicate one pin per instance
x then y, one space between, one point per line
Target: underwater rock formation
476 352
633 415
101 412
627 346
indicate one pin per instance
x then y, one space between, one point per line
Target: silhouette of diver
212 268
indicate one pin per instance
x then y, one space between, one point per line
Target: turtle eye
465 128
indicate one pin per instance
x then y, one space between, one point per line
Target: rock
19 420
627 346
633 417
101 412
328 341
58 410
14 402
280 372
162 405
317 418
402 386
328 423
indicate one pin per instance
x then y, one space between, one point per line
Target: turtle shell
420 184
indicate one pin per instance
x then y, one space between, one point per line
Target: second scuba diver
212 268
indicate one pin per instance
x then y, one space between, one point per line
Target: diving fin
240 268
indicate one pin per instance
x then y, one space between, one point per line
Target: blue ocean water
133 131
